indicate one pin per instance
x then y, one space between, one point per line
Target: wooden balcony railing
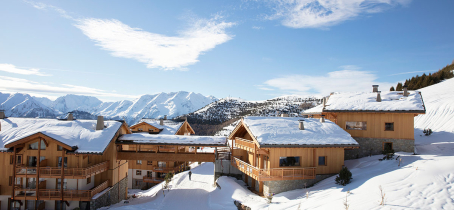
23 171
168 169
71 195
245 144
74 173
147 179
275 173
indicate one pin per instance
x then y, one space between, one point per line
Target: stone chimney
374 88
405 90
378 96
100 123
161 122
165 117
2 114
70 116
324 102
301 124
284 115
322 119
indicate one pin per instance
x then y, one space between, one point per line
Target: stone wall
224 168
139 186
374 146
270 187
114 195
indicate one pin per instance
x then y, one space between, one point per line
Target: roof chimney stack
378 96
322 119
405 90
100 123
301 124
2 114
324 102
165 117
374 88
70 116
161 122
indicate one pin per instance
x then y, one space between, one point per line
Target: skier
190 173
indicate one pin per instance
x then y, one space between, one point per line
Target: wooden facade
33 174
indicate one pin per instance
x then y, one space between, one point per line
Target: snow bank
80 133
232 189
390 101
145 138
285 131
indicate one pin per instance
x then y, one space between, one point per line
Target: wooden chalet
277 154
61 164
378 121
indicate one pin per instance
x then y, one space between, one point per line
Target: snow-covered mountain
147 106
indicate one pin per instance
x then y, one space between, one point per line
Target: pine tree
399 86
392 88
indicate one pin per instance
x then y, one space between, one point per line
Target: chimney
2 114
161 122
301 124
165 117
70 116
284 115
100 123
378 96
324 102
374 88
405 90
322 119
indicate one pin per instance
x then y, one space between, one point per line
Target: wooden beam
200 157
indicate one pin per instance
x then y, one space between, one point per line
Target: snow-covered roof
390 101
170 127
77 133
145 138
314 110
277 131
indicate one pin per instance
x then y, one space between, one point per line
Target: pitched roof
280 131
170 127
77 133
391 101
145 138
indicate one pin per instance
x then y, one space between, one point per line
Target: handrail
25 170
84 172
49 194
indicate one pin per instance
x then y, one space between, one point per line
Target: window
322 161
138 182
139 129
389 126
19 160
387 146
289 161
59 148
150 130
356 126
10 181
139 162
138 172
32 161
88 180
65 164
59 184
149 162
161 164
34 146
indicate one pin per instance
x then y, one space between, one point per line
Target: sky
254 50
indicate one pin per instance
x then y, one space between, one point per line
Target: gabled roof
145 138
391 101
79 134
284 131
170 127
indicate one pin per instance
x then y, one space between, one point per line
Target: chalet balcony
73 173
245 144
25 171
147 179
56 194
275 173
168 169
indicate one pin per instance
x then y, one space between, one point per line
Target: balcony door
59 184
32 161
161 164
150 174
60 163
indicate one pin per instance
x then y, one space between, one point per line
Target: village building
277 154
61 164
145 174
378 120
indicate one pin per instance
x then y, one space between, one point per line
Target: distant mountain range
88 107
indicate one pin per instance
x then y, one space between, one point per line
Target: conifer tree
392 88
399 86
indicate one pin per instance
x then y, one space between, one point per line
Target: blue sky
255 50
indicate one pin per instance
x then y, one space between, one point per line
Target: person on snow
190 173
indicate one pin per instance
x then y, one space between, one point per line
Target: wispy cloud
324 13
10 68
153 49
257 27
157 50
350 80
12 84
411 72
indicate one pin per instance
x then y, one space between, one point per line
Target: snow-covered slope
439 102
72 102
23 105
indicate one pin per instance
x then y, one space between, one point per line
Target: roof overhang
34 136
380 111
